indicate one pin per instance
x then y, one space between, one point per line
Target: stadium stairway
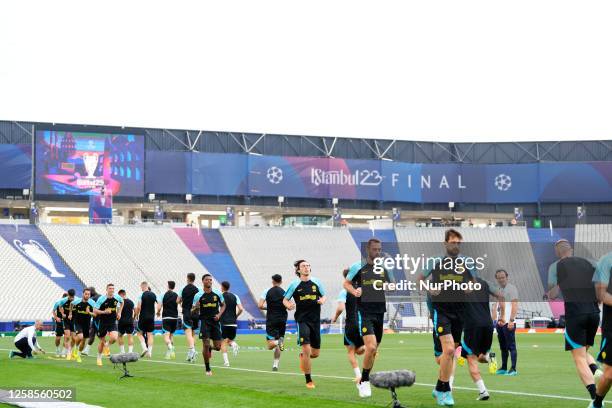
389 240
210 249
31 243
543 251
194 240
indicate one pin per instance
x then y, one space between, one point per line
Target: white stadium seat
125 256
263 252
27 294
516 257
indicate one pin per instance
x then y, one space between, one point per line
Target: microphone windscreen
124 358
393 379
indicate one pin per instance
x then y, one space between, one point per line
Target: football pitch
547 377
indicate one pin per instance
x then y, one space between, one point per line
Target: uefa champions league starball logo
274 175
503 182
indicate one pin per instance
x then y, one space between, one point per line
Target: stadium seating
247 257
27 294
593 241
95 256
208 246
124 255
506 248
262 252
32 244
160 254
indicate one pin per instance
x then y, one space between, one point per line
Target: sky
412 70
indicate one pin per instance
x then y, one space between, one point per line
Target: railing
520 224
14 221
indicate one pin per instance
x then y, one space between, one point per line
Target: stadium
86 205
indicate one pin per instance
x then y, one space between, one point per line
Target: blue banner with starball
319 177
15 166
234 174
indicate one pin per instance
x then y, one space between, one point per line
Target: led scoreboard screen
81 163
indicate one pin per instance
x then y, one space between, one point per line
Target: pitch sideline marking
337 377
524 394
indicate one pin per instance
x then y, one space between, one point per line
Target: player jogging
126 323
211 305
168 309
478 332
233 309
108 307
190 322
58 321
437 346
308 295
448 308
93 327
82 310
572 276
604 295
271 301
352 334
65 310
145 310
360 282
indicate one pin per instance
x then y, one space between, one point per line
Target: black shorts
437 345
169 325
146 325
605 351
93 328
309 333
125 327
447 322
228 332
189 321
81 326
371 324
59 329
275 330
352 334
105 328
68 325
580 330
477 340
210 329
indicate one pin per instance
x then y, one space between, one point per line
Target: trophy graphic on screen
90 160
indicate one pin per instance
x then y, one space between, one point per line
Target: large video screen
82 163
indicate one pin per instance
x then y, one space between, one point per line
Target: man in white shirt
25 341
505 324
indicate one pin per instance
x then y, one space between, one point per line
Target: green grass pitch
547 377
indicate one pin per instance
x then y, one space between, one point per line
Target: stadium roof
444 72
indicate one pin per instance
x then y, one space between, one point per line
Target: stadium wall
15 156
